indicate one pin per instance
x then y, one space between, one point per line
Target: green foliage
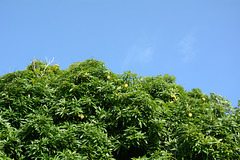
88 112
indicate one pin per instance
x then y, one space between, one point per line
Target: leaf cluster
88 112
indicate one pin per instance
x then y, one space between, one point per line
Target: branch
34 67
46 67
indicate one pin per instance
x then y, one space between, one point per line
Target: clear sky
196 41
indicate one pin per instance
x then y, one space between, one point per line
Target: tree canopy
89 112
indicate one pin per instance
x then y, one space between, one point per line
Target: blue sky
196 41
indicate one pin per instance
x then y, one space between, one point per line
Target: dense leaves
88 112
